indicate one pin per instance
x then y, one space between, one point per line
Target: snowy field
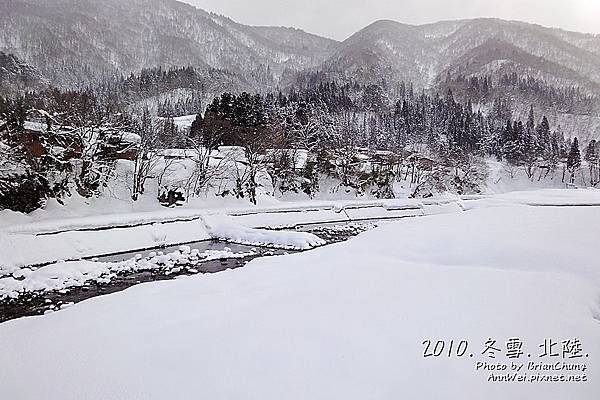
342 321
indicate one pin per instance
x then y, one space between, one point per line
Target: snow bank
54 277
344 321
283 218
103 221
536 198
293 214
555 197
73 245
224 228
75 238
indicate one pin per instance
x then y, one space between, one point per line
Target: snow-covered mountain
76 41
425 54
387 52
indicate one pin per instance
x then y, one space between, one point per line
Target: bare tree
146 156
206 169
255 142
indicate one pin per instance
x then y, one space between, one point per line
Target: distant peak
386 23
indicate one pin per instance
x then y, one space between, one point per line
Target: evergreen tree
574 159
530 121
592 157
543 138
513 142
170 134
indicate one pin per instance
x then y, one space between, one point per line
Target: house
383 158
119 145
123 145
39 142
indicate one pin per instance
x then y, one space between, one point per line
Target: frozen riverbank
40 290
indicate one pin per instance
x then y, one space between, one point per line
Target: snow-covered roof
130 137
236 153
184 122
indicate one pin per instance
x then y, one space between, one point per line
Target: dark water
200 246
42 302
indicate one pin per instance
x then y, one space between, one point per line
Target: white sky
339 19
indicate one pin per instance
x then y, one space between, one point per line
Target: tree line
330 120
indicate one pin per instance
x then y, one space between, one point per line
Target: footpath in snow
343 321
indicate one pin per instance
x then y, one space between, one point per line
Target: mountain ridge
124 38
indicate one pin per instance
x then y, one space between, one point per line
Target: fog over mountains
73 43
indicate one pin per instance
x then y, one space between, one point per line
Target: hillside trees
246 122
341 126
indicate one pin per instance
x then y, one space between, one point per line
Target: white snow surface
343 321
226 229
24 250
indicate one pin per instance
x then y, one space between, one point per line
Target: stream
43 302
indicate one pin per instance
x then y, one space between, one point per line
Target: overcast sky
339 19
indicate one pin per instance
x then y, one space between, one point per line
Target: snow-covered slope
383 50
16 76
418 53
95 39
